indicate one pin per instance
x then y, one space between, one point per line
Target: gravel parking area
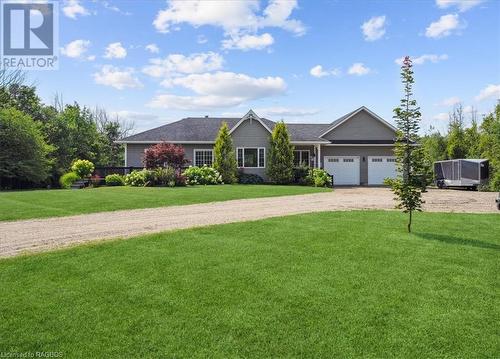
19 237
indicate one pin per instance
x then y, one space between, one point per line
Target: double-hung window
251 157
301 158
203 157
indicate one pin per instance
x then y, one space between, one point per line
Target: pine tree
409 155
224 157
280 161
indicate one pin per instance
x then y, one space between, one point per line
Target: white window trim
251 148
202 150
308 156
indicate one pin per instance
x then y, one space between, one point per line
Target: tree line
39 142
481 139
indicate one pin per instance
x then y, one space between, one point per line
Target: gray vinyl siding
251 133
135 152
361 126
362 151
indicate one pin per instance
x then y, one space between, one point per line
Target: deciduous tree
24 154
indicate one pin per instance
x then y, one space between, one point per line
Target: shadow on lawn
456 240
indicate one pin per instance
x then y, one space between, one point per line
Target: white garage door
345 169
380 168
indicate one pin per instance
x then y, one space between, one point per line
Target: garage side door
345 169
380 168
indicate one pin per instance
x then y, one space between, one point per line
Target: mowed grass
336 284
55 203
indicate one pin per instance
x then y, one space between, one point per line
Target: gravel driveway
19 237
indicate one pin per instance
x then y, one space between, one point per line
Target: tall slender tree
280 161
224 157
409 155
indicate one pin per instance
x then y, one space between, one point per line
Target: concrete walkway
42 234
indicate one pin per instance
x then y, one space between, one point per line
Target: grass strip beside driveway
56 203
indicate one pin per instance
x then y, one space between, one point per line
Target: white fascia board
174 142
252 115
361 144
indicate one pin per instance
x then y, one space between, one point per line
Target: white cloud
443 116
118 78
114 8
284 111
115 50
277 14
238 19
445 26
462 5
490 91
358 69
318 71
451 101
420 60
73 8
175 64
76 49
153 48
233 17
373 29
201 39
220 89
248 42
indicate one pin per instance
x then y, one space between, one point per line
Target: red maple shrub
165 154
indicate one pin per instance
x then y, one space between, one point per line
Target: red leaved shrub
165 154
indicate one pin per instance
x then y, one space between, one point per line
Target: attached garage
380 168
345 169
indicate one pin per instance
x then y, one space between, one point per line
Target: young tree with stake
409 156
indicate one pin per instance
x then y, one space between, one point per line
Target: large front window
203 158
301 158
251 157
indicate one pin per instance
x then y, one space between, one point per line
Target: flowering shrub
114 180
202 175
141 178
68 179
319 178
165 176
82 168
165 154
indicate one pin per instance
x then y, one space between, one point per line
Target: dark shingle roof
206 129
306 131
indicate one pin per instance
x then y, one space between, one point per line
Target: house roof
205 129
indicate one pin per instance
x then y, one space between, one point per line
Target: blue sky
154 62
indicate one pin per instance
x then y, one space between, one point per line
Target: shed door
345 169
380 168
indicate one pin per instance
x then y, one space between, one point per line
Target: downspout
125 155
319 156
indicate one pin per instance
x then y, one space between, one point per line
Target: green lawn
52 203
337 284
